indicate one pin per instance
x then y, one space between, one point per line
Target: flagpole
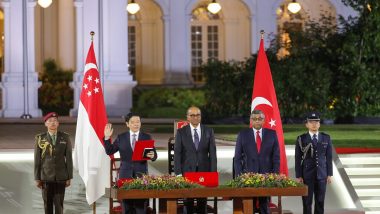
262 32
92 33
94 208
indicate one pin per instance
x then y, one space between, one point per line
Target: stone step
363 171
375 160
372 210
347 166
364 176
371 203
369 187
365 181
371 198
368 192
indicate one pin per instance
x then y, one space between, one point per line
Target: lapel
128 140
307 139
49 138
57 138
320 140
203 135
190 137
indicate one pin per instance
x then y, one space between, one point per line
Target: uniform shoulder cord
305 149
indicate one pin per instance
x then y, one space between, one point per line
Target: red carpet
354 150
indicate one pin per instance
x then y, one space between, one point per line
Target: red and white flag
90 157
264 99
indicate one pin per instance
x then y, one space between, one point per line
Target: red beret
49 115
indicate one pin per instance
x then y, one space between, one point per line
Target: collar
54 133
311 134
255 130
136 133
198 127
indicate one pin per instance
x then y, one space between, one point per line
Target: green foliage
303 79
168 102
358 70
55 93
164 182
344 135
263 180
228 88
332 70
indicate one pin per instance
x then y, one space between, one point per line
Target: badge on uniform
63 142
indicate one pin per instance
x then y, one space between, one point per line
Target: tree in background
55 94
356 80
330 69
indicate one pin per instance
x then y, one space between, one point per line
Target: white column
78 75
66 34
255 35
179 64
118 83
14 91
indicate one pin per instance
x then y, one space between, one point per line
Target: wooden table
242 196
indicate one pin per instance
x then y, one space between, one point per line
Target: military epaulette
65 133
40 135
322 133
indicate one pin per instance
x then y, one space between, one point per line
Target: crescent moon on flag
258 101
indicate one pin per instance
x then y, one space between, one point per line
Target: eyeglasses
257 119
194 115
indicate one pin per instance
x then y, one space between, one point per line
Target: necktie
133 141
258 141
314 140
53 139
196 139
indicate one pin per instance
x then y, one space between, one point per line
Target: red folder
140 146
207 179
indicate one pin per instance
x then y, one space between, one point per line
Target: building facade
164 43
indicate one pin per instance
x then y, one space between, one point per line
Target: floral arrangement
263 180
164 182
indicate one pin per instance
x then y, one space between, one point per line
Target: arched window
287 22
206 39
133 49
1 42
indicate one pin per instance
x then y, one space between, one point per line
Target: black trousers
316 188
136 206
263 204
189 206
53 194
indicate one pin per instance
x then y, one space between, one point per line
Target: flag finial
262 32
92 33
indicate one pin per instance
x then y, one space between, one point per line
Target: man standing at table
313 163
257 151
194 151
53 164
125 144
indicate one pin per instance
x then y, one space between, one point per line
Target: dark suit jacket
187 157
128 168
320 165
247 158
54 166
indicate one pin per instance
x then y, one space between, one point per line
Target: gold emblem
44 144
201 179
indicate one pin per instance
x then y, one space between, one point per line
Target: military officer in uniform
313 163
53 165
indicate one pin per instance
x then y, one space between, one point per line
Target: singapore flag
89 155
